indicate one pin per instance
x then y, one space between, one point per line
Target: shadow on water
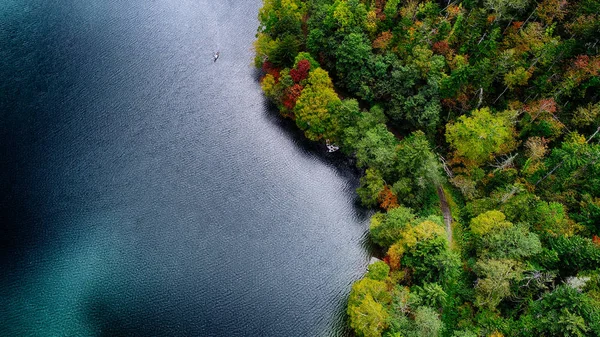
101 316
341 325
345 167
107 318
17 232
22 230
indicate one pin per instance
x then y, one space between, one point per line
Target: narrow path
446 212
440 192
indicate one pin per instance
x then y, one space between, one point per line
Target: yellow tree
314 107
480 136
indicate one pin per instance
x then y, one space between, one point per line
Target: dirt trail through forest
446 212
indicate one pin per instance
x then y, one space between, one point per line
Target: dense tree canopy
476 127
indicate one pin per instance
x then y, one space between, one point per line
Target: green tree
387 228
391 9
378 271
515 242
552 218
478 137
503 8
489 222
354 130
574 254
565 312
366 307
377 149
284 50
431 295
347 113
427 322
430 260
279 31
371 185
494 282
281 17
314 106
414 92
347 16
376 289
416 162
574 165
352 57
369 318
517 77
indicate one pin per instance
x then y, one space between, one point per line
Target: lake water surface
147 191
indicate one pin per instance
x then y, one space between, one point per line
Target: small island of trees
476 125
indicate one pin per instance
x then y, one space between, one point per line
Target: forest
476 126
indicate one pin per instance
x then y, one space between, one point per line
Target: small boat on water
216 56
331 147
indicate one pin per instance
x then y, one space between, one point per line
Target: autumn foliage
301 71
387 198
291 96
383 40
539 107
441 47
269 68
496 101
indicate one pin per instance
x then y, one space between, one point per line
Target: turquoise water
149 191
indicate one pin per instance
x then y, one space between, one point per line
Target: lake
149 191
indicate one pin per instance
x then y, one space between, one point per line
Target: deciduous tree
478 137
313 107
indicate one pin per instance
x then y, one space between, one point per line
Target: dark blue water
147 191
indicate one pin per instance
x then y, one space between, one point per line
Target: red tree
441 47
291 96
387 199
301 71
541 107
269 68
